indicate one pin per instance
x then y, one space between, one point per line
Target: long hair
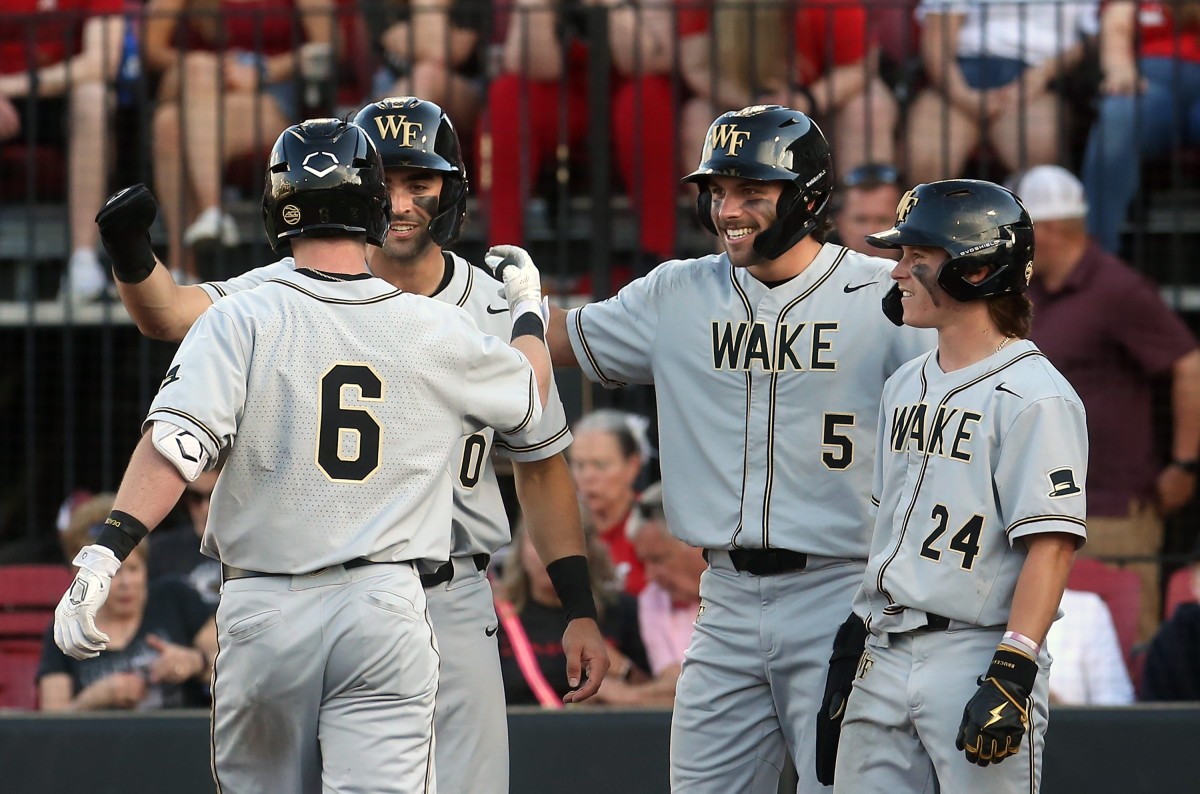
1012 314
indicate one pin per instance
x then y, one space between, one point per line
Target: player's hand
587 659
996 718
75 631
515 268
124 222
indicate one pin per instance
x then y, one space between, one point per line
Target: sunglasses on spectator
872 175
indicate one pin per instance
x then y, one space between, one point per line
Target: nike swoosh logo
491 631
501 310
848 289
1007 391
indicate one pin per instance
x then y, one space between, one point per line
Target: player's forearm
1040 585
151 486
1185 407
535 351
559 341
547 495
161 308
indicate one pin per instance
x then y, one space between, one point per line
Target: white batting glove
75 631
522 281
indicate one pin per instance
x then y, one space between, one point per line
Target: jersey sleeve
545 439
499 388
204 391
248 280
613 340
1042 469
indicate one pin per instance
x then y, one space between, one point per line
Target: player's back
355 394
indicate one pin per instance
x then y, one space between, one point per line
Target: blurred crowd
1074 103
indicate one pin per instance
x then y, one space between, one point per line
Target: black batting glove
124 223
839 682
893 309
997 716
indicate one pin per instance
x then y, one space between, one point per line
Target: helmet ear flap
704 209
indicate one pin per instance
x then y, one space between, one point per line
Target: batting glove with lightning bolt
75 631
997 716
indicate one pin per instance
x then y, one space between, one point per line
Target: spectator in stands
228 89
606 458
544 73
164 639
56 58
1106 328
175 552
88 511
532 623
1172 669
431 49
1089 667
865 203
667 606
1150 60
992 69
730 58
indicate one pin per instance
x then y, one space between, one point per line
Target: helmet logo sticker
319 172
1028 272
729 138
290 214
399 127
907 202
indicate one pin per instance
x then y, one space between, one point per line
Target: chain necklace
1000 346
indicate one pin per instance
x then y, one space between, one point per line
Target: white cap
1051 193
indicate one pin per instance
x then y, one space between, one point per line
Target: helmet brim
896 237
758 172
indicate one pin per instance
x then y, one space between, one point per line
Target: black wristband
1010 665
131 255
529 324
124 222
573 584
1190 466
121 533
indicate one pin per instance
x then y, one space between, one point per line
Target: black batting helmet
411 132
770 143
325 179
979 224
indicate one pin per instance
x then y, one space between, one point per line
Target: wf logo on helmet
400 128
906 206
729 138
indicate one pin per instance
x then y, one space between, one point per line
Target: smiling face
923 300
741 210
414 193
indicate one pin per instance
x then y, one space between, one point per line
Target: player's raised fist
522 281
124 222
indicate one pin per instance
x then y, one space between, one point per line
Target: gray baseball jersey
767 398
376 387
472 728
480 523
969 462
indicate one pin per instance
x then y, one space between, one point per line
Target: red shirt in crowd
1159 39
624 558
267 26
57 30
1110 335
825 34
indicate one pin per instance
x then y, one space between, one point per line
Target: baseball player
768 361
979 475
337 403
428 187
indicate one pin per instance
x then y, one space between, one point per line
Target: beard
408 250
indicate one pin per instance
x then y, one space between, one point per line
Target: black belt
445 572
935 623
765 562
229 572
